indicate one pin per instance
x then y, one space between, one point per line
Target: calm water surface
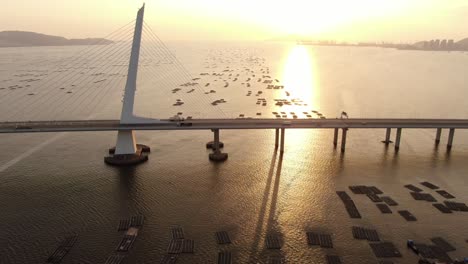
55 184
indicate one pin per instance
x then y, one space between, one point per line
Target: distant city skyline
343 20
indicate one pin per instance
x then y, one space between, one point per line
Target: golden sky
350 20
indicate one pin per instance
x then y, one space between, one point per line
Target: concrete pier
450 138
216 140
276 138
210 145
398 139
140 156
217 155
387 136
282 140
438 133
343 139
335 137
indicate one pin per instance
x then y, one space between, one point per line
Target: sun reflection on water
300 82
299 79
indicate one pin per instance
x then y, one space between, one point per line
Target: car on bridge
180 121
184 124
176 118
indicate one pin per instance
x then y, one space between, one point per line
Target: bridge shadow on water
271 226
437 156
127 190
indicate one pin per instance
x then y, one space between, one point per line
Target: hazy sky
351 20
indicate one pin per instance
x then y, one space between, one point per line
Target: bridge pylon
127 151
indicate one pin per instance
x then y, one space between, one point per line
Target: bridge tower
127 151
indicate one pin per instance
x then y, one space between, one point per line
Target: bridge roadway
241 123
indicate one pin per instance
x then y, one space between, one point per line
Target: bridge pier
343 139
387 136
283 131
450 138
276 138
217 155
438 133
398 139
210 145
335 137
126 151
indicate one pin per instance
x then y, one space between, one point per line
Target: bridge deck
203 124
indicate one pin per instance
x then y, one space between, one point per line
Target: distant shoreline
420 46
16 39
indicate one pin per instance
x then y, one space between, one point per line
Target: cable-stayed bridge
81 86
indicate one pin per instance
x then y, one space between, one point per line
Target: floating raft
374 190
442 208
349 204
362 189
115 259
326 241
137 221
443 244
454 206
322 240
343 195
126 243
430 185
445 194
222 237
413 188
365 233
188 246
224 257
433 252
384 209
374 198
423 197
168 259
385 250
389 201
124 225
358 189
64 247
175 246
407 215
351 209
313 239
333 259
177 233
273 242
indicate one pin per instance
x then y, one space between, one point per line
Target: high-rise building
450 44
426 45
443 44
